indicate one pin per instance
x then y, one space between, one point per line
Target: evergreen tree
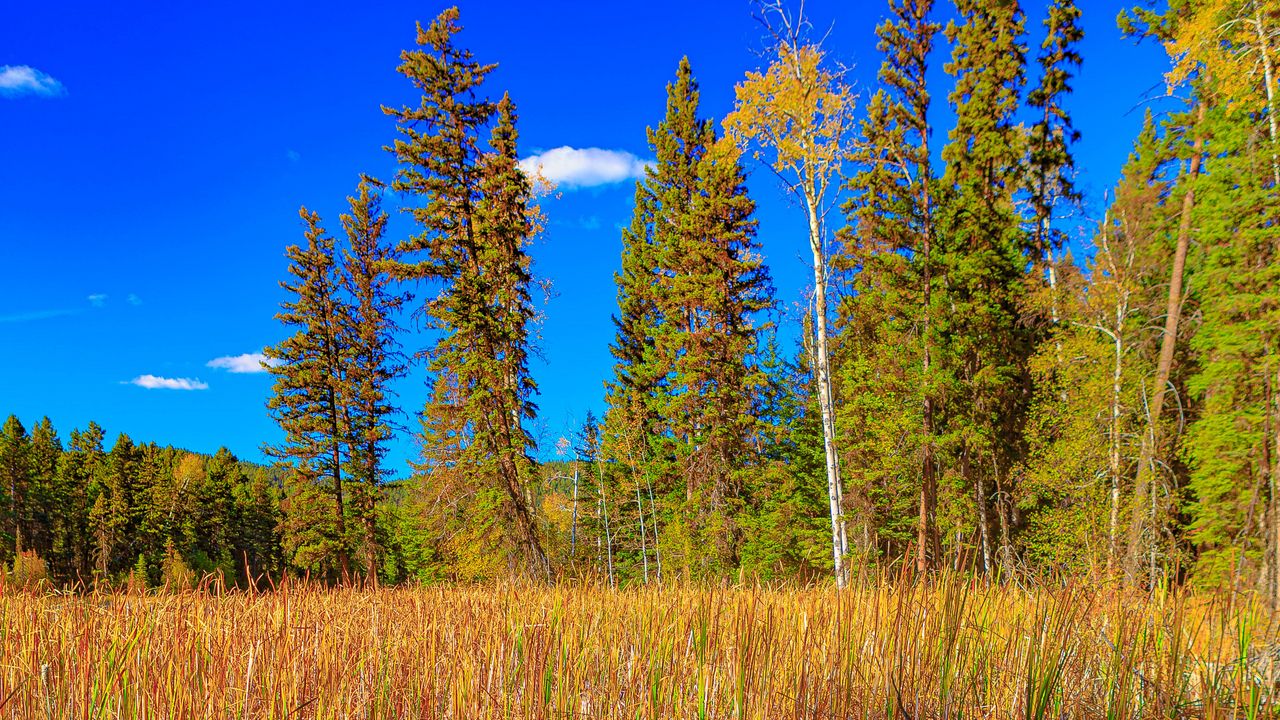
1231 445
79 482
984 252
476 222
789 530
1050 161
113 518
892 243
375 360
309 369
691 286
15 452
256 538
42 465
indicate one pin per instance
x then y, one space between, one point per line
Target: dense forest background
967 393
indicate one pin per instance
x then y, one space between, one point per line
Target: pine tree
723 287
1231 445
309 371
666 462
374 360
78 484
114 514
691 286
633 433
46 452
476 222
789 530
984 252
1050 160
15 452
256 538
892 243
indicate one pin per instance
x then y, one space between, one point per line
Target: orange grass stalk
883 648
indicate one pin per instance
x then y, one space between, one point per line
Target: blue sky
153 158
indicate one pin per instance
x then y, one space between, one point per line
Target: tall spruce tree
475 221
1231 445
892 242
690 290
308 403
15 471
79 471
985 251
42 507
374 360
1051 164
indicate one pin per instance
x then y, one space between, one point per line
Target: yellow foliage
1229 41
797 110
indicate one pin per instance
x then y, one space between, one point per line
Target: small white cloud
19 80
246 363
293 156
154 382
584 167
134 300
97 299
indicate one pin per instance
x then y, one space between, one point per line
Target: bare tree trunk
603 510
1054 313
653 513
573 527
644 548
1145 491
835 491
984 510
14 500
1269 78
1003 510
1113 433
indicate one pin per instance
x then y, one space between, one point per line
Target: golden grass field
881 649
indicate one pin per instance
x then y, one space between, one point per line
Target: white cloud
97 299
246 363
153 382
134 300
19 80
584 167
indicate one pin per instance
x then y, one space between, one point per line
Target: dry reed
882 649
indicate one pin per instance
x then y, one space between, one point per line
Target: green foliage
475 218
1231 445
996 406
692 287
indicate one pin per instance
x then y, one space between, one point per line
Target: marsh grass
884 648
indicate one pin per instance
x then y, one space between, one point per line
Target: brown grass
883 649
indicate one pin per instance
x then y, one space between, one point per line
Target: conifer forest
982 467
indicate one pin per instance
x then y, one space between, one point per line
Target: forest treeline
970 391
76 512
